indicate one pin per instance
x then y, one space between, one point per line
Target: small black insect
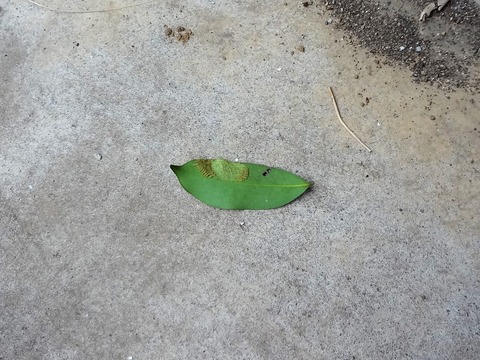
266 172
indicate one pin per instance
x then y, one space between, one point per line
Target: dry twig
89 11
343 123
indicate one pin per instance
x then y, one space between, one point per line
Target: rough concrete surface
104 256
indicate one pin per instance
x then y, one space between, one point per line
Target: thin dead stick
343 123
89 11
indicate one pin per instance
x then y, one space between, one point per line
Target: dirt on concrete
443 50
180 33
105 256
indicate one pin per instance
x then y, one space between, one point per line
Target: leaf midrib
264 185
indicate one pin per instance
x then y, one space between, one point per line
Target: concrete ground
104 256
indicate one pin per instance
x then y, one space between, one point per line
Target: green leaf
231 185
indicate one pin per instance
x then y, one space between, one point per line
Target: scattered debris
343 123
443 52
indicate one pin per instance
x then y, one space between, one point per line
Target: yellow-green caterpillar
222 169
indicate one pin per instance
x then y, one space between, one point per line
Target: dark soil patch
444 50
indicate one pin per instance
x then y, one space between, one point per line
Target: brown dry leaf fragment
438 5
426 12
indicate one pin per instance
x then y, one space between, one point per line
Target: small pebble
418 49
432 117
328 22
402 48
98 156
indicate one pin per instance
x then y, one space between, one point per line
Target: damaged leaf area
239 186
